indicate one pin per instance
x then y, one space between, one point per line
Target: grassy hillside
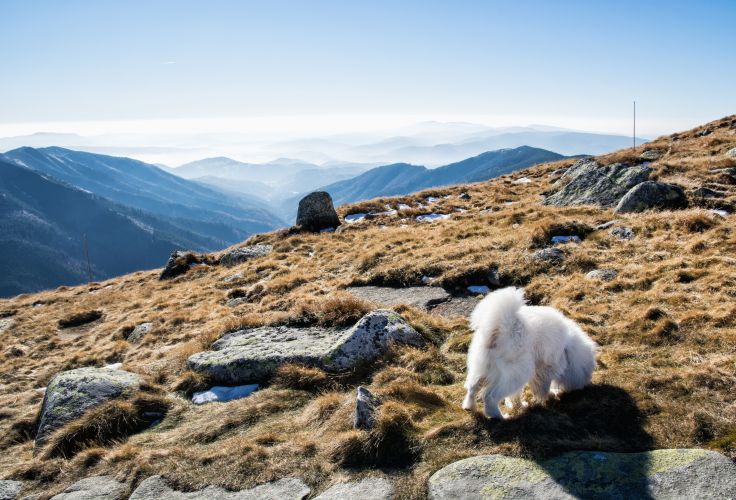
666 325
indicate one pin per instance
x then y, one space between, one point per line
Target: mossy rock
70 394
679 473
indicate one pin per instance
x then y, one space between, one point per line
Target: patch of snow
721 213
523 180
460 210
427 279
565 239
432 199
402 206
478 289
432 217
509 202
114 366
327 230
354 217
141 225
222 394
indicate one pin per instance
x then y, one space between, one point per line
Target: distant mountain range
132 215
224 219
43 224
402 178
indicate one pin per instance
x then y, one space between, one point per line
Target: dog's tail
498 309
580 353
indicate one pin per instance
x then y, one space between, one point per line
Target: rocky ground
327 361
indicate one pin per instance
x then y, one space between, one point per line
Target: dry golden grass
666 324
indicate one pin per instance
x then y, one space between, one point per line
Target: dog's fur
515 344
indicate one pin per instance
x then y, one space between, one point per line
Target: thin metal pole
634 125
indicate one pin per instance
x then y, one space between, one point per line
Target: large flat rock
659 474
423 297
95 488
73 392
370 488
157 488
252 355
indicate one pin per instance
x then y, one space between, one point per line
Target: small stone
623 233
650 155
602 274
370 488
157 488
6 323
139 331
94 488
464 196
731 153
553 255
366 404
317 212
704 192
9 490
234 277
244 254
652 195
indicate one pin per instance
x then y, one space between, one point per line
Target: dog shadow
597 418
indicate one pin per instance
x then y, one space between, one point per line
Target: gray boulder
139 331
593 184
422 297
180 262
240 255
731 153
9 490
650 155
157 488
652 194
659 474
704 192
370 488
252 355
316 212
366 404
602 274
551 255
71 393
95 488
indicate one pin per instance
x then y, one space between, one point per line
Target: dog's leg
540 385
490 405
473 388
515 401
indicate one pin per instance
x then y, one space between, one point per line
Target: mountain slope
43 224
189 205
401 178
665 321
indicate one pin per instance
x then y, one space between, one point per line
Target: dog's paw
467 405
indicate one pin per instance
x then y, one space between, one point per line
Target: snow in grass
478 289
355 217
523 180
565 239
222 394
432 217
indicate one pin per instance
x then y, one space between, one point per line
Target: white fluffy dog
515 344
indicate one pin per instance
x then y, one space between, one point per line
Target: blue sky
569 62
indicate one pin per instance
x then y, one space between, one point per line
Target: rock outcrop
366 404
244 254
422 297
95 488
316 212
370 488
157 488
659 474
651 194
10 490
551 255
71 393
180 262
593 184
252 355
